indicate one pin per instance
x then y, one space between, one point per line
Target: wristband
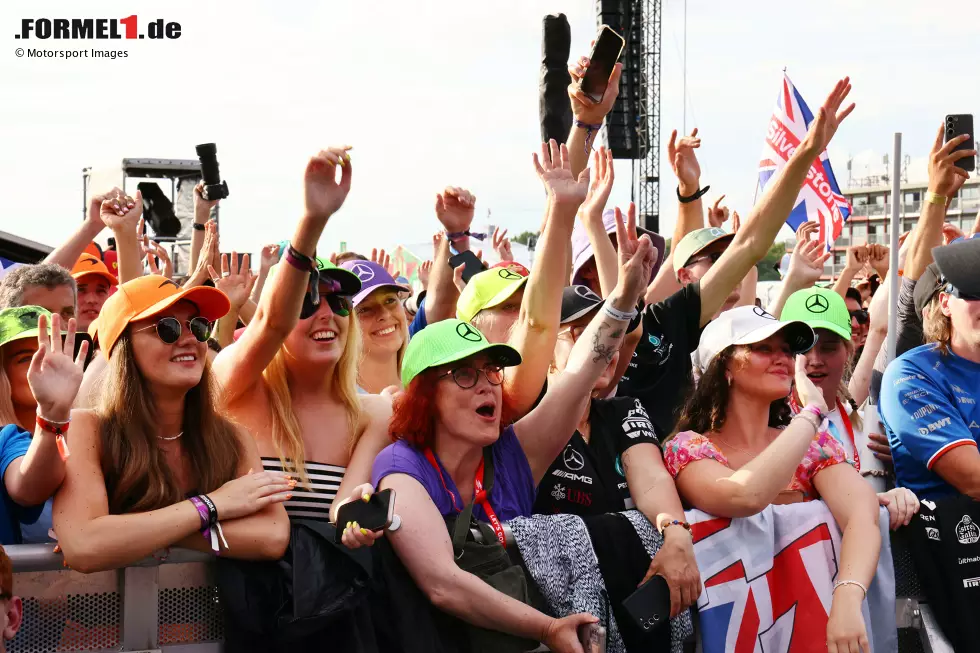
675 522
198 226
850 582
935 198
806 418
691 198
202 512
460 235
589 130
810 408
59 429
616 314
299 260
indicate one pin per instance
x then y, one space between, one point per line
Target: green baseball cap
820 309
20 323
349 283
488 289
694 242
447 342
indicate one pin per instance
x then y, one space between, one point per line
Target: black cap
930 283
577 302
958 264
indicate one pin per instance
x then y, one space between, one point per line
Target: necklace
170 439
727 443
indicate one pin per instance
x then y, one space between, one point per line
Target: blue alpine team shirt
929 407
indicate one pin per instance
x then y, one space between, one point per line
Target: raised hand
951 232
324 194
809 393
236 280
602 183
382 259
717 214
829 117
804 231
857 257
158 259
636 258
208 258
437 239
95 207
555 172
684 161
736 222
501 244
585 108
454 209
424 271
202 207
120 212
878 259
269 256
806 263
944 177
54 376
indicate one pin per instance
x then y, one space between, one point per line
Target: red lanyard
847 426
479 496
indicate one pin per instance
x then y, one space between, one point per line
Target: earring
729 379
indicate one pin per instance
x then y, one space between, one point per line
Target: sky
435 93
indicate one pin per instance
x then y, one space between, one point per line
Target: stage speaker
627 121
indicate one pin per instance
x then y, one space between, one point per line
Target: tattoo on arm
603 347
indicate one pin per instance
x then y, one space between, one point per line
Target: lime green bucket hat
820 309
449 341
20 323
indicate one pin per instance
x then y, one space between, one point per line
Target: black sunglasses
170 328
339 304
861 315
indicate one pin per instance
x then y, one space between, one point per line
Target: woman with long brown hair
291 379
739 449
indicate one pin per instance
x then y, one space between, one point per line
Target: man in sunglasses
859 318
929 395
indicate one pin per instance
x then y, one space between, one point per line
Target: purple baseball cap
372 276
582 249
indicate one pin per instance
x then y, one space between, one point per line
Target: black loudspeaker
158 210
554 107
627 120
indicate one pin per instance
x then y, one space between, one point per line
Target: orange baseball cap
88 264
145 297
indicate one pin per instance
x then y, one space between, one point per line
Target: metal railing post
139 608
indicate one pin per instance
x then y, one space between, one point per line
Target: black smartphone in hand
373 515
472 263
957 124
649 605
605 53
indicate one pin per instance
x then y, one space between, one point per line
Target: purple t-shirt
512 494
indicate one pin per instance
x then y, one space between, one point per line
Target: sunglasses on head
170 328
713 257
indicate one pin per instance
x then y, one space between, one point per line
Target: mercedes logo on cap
363 272
510 275
817 304
586 293
761 312
467 332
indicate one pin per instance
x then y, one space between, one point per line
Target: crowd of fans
219 410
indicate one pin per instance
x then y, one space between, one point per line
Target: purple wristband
589 130
202 512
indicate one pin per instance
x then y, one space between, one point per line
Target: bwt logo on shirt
95 28
946 421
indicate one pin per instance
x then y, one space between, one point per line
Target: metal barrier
168 606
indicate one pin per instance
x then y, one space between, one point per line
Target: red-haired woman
447 426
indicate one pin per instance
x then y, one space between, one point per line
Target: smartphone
593 638
472 263
957 124
605 53
649 605
373 515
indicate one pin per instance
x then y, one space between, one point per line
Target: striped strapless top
312 501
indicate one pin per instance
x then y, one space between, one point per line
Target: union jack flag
820 199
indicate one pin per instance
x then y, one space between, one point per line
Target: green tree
525 238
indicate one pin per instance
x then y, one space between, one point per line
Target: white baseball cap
747 325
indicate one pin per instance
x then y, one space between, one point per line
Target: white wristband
617 315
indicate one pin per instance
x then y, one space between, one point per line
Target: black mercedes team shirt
660 373
587 478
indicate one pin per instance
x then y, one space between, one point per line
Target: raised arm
454 209
587 111
857 256
719 490
545 430
240 367
591 215
270 256
536 330
860 384
255 525
67 253
759 230
121 214
54 379
236 281
805 266
202 215
945 180
690 217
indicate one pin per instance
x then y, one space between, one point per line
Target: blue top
928 407
512 494
418 322
14 442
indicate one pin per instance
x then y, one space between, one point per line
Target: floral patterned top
824 451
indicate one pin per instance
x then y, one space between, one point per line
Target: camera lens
949 132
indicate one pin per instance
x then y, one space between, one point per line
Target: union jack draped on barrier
768 581
820 199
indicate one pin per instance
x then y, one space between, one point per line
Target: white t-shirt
869 424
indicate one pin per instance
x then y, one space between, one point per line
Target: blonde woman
291 377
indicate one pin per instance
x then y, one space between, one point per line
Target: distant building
870 219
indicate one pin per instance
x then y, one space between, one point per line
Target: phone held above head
605 53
